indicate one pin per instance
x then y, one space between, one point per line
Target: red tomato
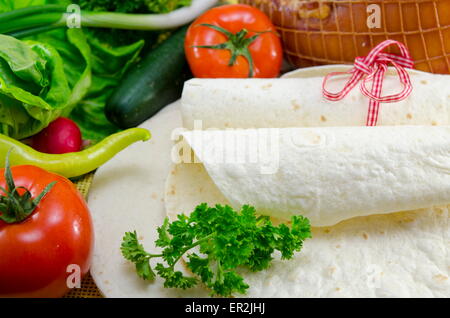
36 253
242 22
61 136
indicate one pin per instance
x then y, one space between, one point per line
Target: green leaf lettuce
109 63
33 86
64 72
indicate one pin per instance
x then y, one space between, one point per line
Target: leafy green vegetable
164 6
109 63
93 68
216 241
65 78
69 82
101 61
93 63
9 5
117 37
33 87
133 6
129 6
88 70
72 45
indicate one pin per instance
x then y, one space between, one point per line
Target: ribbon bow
373 68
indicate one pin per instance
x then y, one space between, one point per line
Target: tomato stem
237 43
14 207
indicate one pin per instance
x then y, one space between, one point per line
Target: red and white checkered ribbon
373 68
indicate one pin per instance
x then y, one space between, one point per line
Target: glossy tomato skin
266 50
35 253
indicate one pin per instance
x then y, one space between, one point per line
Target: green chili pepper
71 164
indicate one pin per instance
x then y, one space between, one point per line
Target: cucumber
151 84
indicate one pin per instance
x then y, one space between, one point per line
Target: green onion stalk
36 19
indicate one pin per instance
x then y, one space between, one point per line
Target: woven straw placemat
88 288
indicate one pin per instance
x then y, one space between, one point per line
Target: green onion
31 20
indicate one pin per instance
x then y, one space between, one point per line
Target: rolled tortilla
298 102
402 254
328 174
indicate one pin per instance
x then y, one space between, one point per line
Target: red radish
61 136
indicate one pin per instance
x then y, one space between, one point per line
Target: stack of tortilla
377 197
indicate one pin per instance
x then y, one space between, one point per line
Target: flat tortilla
396 255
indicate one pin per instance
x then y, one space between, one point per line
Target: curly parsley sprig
224 239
